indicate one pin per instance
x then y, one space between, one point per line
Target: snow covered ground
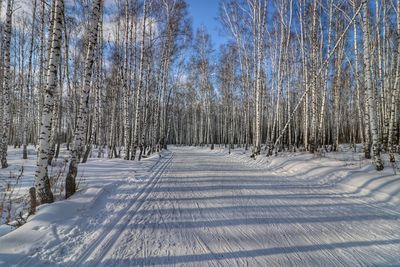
193 207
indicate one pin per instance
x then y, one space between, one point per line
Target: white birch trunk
394 96
79 136
135 138
126 87
42 182
6 86
376 149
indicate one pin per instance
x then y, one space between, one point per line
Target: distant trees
294 75
227 79
110 88
201 67
310 75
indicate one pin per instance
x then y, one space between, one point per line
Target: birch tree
6 118
79 136
376 149
42 182
135 137
259 13
394 98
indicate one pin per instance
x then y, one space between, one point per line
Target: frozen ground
193 207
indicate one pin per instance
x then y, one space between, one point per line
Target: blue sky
205 12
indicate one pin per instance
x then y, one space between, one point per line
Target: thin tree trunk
135 138
394 96
79 137
376 149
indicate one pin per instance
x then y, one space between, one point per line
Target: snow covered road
201 209
208 211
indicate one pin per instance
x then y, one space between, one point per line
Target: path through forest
202 209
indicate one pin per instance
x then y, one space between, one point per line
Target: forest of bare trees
130 77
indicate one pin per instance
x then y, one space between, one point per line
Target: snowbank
346 169
99 181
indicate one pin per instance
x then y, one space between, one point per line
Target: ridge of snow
345 169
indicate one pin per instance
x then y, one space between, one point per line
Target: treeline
305 75
131 77
86 74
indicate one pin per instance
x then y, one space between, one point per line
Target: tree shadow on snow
215 257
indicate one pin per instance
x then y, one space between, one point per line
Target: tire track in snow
126 237
30 260
307 242
98 250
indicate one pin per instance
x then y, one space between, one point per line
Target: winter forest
278 145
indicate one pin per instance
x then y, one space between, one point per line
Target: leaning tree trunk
79 137
42 182
376 149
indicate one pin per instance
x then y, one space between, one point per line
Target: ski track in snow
204 209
